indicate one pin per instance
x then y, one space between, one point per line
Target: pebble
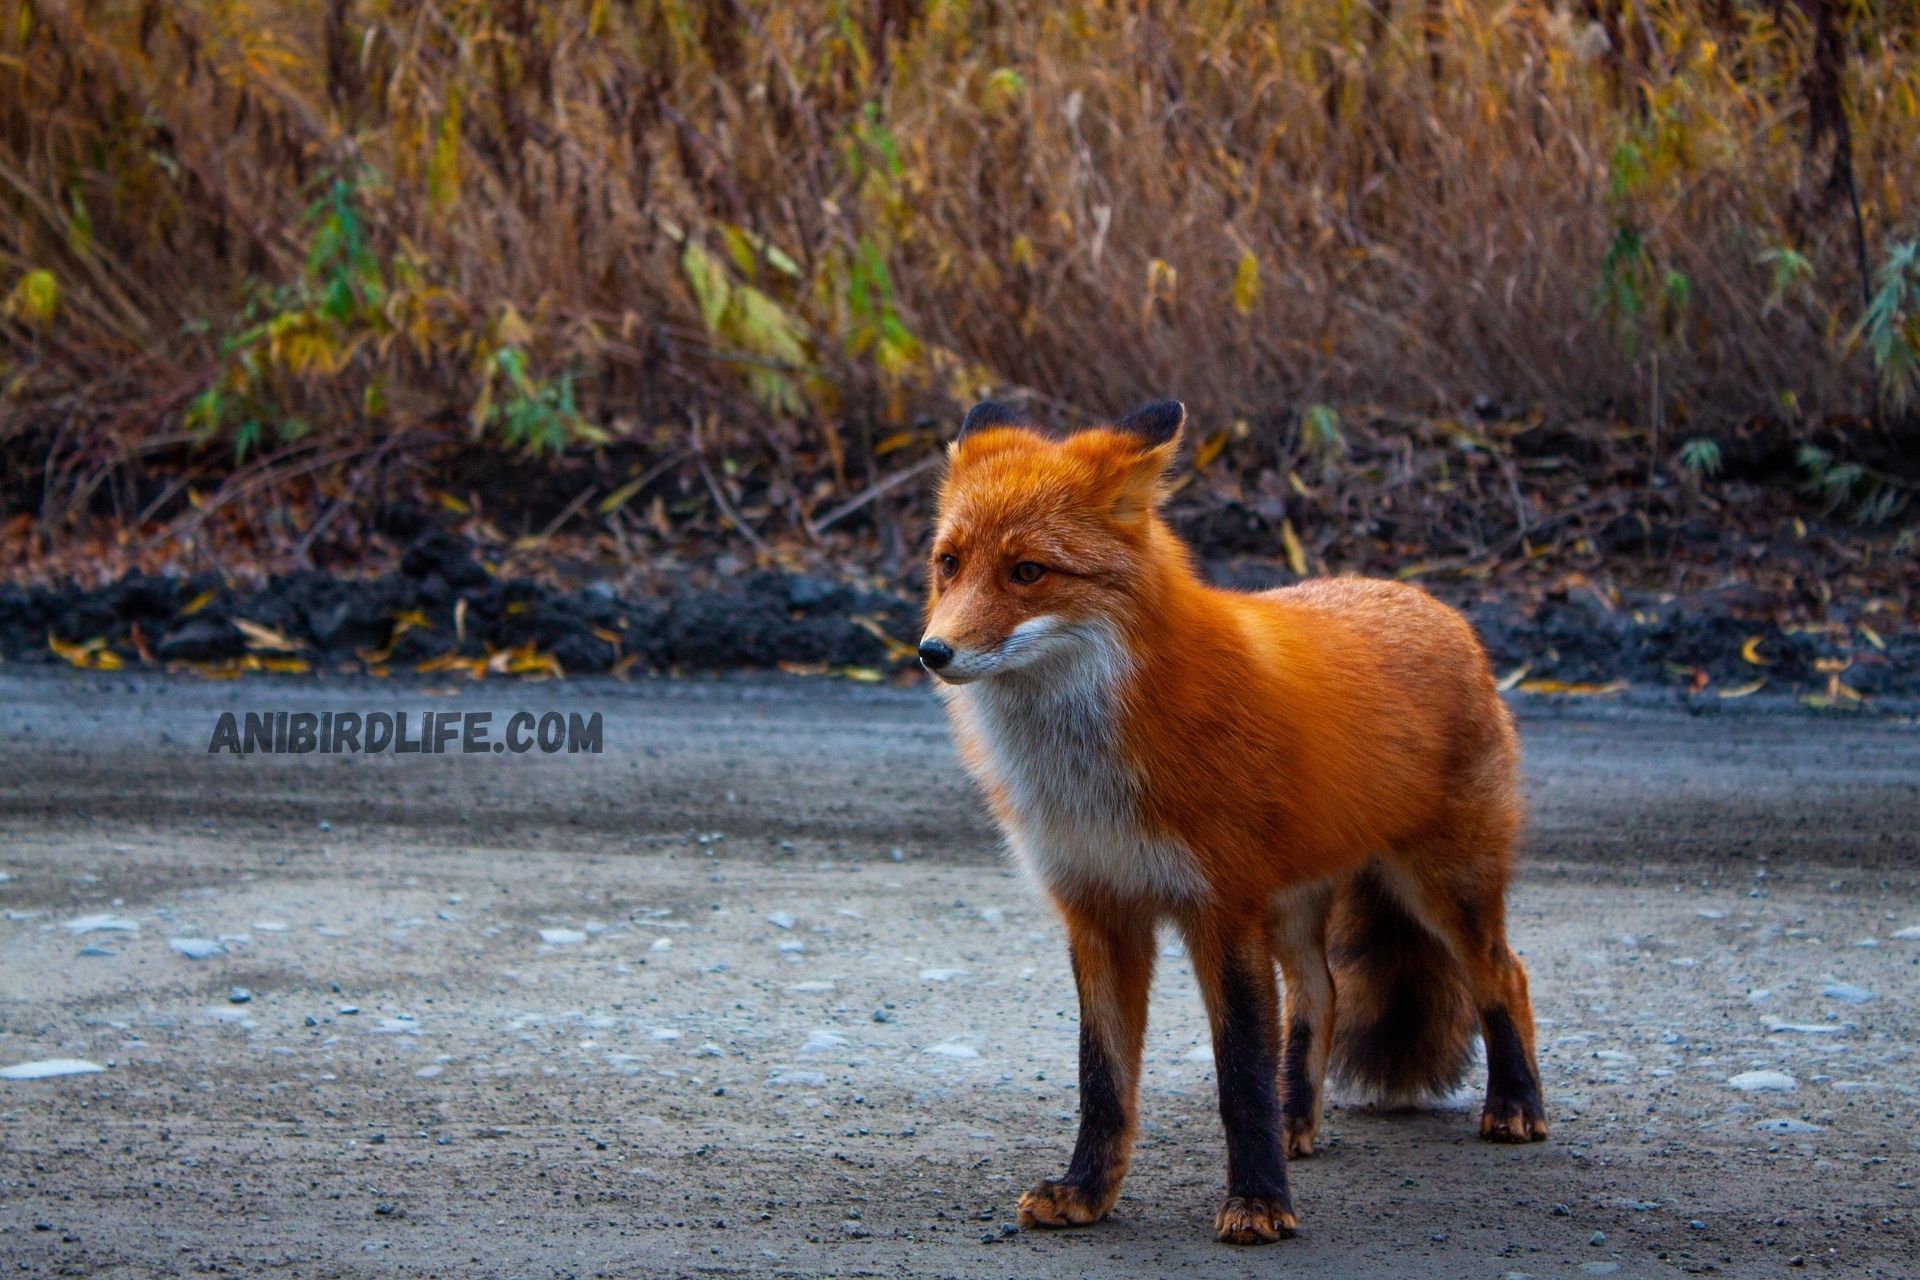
562 937
1909 934
661 944
1786 1124
811 1079
821 1041
942 975
780 920
1848 992
1763 1082
100 924
196 948
238 995
49 1067
1806 1028
1597 1238
97 951
953 1049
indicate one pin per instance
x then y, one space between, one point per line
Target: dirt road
749 994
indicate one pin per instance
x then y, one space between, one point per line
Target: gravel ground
749 994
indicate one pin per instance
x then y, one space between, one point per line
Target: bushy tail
1404 1026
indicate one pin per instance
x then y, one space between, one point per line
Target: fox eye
1027 572
949 565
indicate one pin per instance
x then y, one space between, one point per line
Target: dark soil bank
1692 644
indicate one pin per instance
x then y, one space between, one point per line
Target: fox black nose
935 653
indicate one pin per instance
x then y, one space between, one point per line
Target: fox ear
1155 423
988 413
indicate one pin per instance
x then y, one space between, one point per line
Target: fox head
1042 543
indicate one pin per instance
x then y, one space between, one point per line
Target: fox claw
1254 1220
1059 1204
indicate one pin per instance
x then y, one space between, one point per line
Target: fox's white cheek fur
1049 726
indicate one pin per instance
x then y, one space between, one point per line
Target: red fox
1322 775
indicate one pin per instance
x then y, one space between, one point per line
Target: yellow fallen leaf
1751 652
1514 677
460 620
452 503
896 650
1873 637
803 668
196 604
1210 448
865 675
107 660
79 655
286 666
1742 690
262 637
409 620
1573 689
621 496
1296 553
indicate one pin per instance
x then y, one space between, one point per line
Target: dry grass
789 238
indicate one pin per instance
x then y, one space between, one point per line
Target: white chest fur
1050 736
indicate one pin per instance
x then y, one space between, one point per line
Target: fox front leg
1235 970
1112 970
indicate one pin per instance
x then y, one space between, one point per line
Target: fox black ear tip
988 413
1157 423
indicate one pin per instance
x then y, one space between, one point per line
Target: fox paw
1254 1220
1300 1136
1061 1204
1513 1120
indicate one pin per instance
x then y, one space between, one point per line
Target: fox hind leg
1299 938
1462 900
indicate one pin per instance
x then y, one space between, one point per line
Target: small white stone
953 1049
780 920
100 924
49 1067
811 1079
562 937
823 1041
1763 1082
1786 1124
196 948
942 975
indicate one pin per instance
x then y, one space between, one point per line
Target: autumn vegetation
729 270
